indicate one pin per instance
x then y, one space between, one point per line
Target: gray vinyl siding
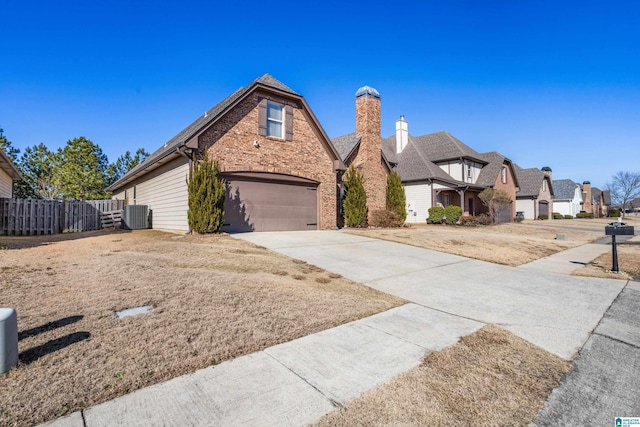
6 185
418 197
164 190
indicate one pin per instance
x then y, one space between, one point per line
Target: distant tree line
78 171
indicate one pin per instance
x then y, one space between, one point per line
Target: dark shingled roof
415 165
389 150
442 146
489 174
564 189
202 121
530 181
345 144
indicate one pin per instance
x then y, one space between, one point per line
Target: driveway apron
554 311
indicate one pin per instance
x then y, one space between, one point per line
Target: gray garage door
269 202
544 208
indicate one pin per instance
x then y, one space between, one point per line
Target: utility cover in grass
133 311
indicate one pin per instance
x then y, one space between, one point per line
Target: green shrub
355 201
558 215
396 201
584 215
568 217
206 197
543 216
436 215
614 213
452 214
385 218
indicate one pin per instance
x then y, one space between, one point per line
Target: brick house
536 193
280 167
8 174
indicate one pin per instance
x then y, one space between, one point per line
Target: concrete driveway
554 311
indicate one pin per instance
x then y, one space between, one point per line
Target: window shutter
288 123
262 118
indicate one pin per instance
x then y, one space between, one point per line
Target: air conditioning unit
135 217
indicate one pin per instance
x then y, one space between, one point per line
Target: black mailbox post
617 229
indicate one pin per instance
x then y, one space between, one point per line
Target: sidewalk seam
84 420
333 402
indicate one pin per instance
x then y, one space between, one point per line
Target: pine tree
355 201
206 197
396 201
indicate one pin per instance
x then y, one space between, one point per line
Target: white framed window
544 185
275 120
469 173
504 174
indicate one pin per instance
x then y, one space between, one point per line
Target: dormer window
469 173
275 120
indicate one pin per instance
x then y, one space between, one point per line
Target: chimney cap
367 90
586 183
546 169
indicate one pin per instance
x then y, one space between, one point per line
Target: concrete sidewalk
290 384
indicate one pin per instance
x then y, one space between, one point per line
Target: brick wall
509 186
369 157
230 141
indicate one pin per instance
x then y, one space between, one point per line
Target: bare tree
624 187
496 200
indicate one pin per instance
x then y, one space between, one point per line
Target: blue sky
546 83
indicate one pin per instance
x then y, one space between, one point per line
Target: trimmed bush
396 200
584 215
543 216
615 213
558 215
355 201
452 214
568 217
436 215
206 197
469 221
385 218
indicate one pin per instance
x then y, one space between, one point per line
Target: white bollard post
8 339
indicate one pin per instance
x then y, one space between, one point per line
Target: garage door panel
269 206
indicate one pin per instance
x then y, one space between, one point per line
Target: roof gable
265 81
441 146
530 181
565 189
490 172
7 165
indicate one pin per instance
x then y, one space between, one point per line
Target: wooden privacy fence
33 216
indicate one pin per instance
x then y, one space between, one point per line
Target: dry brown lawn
509 244
213 299
490 378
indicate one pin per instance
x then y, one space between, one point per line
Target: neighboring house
281 169
567 199
536 194
601 201
8 174
365 150
438 169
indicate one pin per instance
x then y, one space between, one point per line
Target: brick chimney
402 134
369 157
586 189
